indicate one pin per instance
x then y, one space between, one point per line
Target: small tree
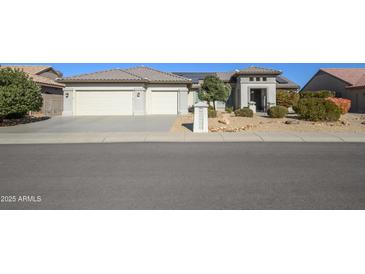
213 89
18 93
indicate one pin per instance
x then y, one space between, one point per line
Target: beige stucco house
147 91
346 82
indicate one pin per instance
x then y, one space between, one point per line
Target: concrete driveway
150 123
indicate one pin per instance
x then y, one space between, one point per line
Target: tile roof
30 69
361 82
104 75
352 76
258 71
135 74
44 81
33 72
154 75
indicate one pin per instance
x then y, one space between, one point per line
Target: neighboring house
252 84
52 91
346 82
134 91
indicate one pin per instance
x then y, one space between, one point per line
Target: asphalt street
183 176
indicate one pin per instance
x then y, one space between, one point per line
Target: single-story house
133 91
144 91
252 84
52 91
346 82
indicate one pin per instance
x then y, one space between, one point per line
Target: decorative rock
292 122
345 123
230 130
224 121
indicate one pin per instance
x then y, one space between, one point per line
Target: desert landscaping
227 122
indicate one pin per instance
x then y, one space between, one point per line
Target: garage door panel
164 102
104 103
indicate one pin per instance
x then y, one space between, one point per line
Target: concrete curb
115 137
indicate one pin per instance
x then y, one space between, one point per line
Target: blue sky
298 72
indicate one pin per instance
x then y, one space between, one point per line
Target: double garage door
122 103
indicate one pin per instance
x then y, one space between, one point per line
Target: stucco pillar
271 95
68 101
244 95
200 117
183 101
139 101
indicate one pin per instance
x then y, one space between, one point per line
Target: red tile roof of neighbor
30 69
361 82
355 77
33 72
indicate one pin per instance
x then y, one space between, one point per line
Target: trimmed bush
15 115
229 109
277 112
212 113
18 94
287 98
317 94
343 104
244 112
318 109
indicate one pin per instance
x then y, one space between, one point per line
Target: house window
251 79
264 79
257 79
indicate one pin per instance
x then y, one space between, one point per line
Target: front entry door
139 102
256 96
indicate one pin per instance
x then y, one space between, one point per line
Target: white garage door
164 102
104 103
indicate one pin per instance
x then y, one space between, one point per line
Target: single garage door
104 103
164 102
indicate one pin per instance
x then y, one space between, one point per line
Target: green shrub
277 112
333 112
229 109
317 94
244 112
318 109
287 98
18 93
212 113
